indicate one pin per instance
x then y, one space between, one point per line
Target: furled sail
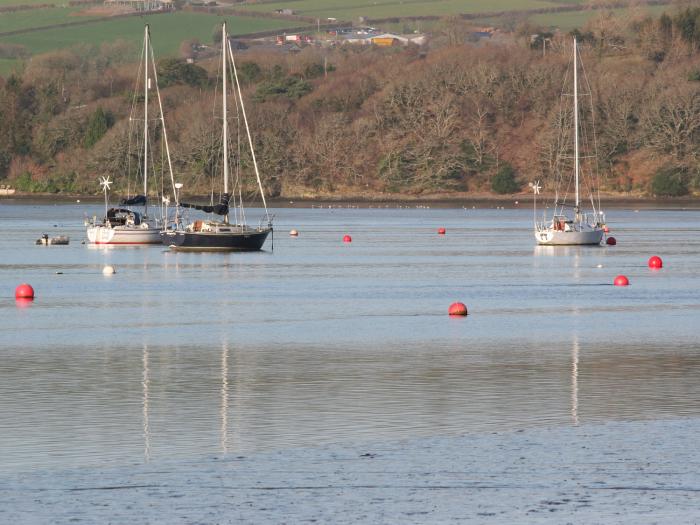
138 200
219 209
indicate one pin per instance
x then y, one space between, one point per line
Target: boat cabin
216 227
562 223
122 217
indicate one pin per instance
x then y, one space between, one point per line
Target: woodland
455 117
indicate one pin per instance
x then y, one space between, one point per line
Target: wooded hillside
455 117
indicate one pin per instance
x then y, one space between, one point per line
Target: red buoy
611 241
621 280
606 229
24 291
441 231
347 238
655 262
457 309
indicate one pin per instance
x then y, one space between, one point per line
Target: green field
168 31
572 20
31 2
39 18
347 10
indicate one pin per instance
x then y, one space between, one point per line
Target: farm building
384 39
142 5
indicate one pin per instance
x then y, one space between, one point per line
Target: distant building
142 5
384 39
285 11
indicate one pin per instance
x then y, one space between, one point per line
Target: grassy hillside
40 18
574 19
168 31
343 9
29 2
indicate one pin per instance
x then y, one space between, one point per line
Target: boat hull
249 241
552 237
122 235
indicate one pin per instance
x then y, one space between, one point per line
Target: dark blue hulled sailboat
212 234
209 235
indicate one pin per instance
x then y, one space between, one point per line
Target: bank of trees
357 121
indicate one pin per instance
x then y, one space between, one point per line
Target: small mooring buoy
457 309
606 229
24 291
347 238
621 280
655 262
611 241
108 270
441 231
294 233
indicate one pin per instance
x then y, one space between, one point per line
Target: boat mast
576 126
145 121
250 139
162 120
224 40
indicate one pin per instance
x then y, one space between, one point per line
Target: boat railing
592 218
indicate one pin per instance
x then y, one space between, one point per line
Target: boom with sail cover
138 200
219 209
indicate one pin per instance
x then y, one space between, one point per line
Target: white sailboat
569 224
125 225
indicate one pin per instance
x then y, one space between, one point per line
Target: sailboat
124 224
221 234
569 224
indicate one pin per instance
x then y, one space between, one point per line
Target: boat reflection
224 398
145 383
574 380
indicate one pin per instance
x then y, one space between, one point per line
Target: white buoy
294 233
108 270
599 266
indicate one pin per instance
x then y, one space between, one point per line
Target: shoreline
398 200
614 472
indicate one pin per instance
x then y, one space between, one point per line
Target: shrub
249 72
57 183
173 71
504 181
670 182
291 87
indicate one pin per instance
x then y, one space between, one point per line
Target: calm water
180 355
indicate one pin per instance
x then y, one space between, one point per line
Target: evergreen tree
98 125
504 181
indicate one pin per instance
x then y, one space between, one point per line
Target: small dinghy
45 240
